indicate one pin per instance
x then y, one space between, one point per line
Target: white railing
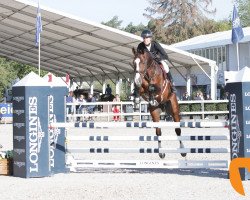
203 112
127 110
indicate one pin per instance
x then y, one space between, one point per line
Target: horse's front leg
152 92
136 94
136 97
155 113
176 116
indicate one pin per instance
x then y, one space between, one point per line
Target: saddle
166 76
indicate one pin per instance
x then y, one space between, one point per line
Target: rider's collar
148 46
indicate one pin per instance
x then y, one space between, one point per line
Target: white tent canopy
83 49
211 40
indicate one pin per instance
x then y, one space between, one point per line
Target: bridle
144 73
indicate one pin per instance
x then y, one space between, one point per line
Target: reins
145 75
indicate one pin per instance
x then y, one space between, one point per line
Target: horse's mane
146 54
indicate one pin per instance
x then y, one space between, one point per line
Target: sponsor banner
56 113
239 116
6 110
30 131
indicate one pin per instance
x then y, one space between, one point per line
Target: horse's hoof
181 147
153 103
183 154
162 155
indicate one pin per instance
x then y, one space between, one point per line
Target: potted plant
184 108
222 107
6 163
195 107
210 107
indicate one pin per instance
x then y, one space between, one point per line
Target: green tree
211 26
11 70
244 12
135 29
8 74
177 20
23 69
114 22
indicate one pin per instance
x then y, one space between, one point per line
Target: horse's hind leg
176 116
155 113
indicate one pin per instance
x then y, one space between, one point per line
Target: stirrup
173 89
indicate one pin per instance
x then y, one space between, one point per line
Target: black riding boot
171 81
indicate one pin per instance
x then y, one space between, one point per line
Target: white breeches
165 65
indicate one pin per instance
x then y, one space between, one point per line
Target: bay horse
152 85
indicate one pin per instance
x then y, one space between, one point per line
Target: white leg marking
138 80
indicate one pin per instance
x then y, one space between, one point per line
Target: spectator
108 90
116 108
185 97
90 108
80 109
226 96
208 97
199 96
69 108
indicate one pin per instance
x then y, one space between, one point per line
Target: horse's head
142 61
149 78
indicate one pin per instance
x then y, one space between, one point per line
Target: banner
6 110
237 32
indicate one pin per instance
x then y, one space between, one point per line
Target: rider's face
147 40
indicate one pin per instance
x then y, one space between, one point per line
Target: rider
158 53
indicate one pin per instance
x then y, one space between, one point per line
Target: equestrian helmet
146 33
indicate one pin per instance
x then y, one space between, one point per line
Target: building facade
218 47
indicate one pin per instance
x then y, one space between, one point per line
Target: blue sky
126 10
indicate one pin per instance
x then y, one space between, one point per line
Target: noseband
144 73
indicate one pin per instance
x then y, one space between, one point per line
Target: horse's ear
134 51
141 51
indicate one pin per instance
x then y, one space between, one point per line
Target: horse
106 97
151 84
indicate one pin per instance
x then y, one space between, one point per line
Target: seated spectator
90 108
199 96
116 108
208 97
80 108
108 90
185 97
70 108
226 96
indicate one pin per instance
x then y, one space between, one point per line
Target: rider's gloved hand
165 65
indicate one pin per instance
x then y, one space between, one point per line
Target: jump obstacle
40 151
39 136
183 124
79 164
147 138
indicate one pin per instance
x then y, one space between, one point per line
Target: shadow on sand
213 173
